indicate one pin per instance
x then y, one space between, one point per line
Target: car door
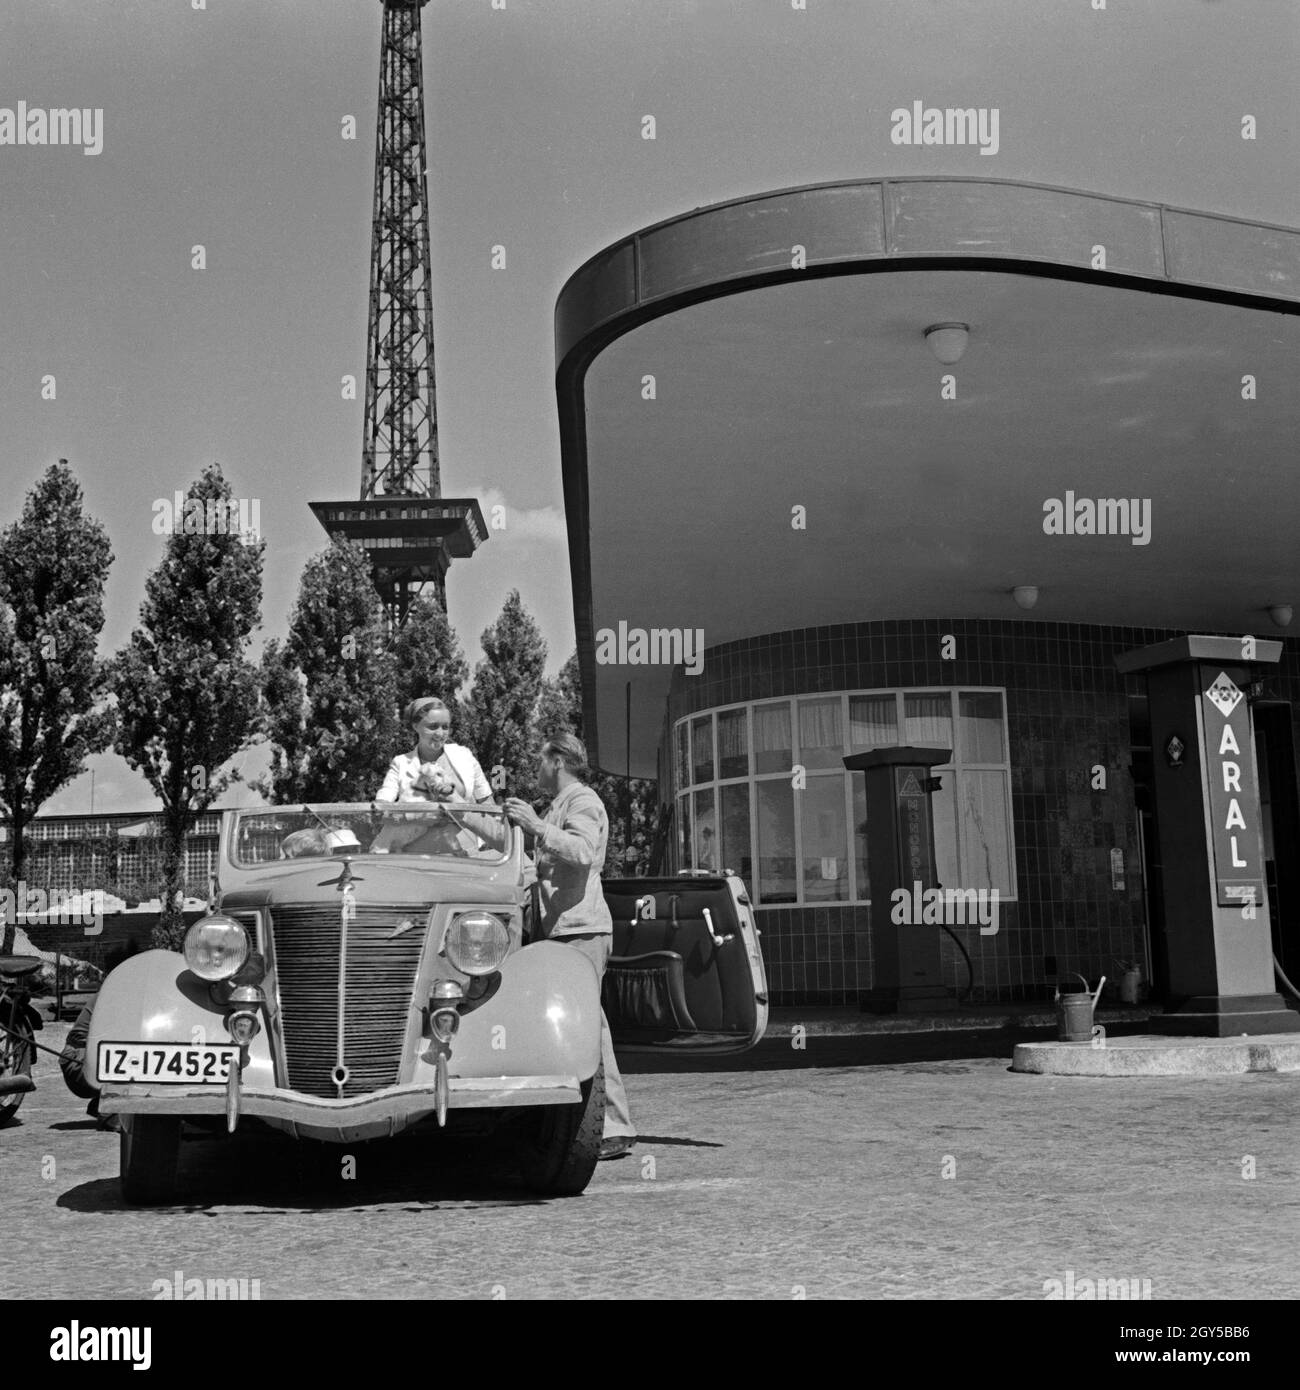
685 973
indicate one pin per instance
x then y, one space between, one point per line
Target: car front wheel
562 1158
149 1154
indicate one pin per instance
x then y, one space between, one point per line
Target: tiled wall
1067 712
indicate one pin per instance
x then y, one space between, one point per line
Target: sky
222 128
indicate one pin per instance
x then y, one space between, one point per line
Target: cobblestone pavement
825 1182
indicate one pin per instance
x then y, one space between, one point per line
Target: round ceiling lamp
948 341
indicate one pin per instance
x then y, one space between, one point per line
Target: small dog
434 783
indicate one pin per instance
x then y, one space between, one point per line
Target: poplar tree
499 717
186 691
559 708
54 561
329 691
427 656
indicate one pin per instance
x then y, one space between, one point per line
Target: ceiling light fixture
1026 595
948 341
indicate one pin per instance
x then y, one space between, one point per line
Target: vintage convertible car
365 968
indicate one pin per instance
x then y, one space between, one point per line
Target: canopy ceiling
819 392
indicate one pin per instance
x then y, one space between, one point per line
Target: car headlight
477 943
215 947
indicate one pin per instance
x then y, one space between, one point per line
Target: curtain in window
772 738
873 722
980 720
929 719
733 749
821 736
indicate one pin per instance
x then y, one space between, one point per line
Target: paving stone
828 1182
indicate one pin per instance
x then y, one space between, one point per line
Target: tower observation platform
410 540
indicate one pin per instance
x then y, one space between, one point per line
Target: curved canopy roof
1109 343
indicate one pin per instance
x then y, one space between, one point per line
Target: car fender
545 1019
154 997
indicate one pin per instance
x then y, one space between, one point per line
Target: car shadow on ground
262 1168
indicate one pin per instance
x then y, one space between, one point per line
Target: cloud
521 523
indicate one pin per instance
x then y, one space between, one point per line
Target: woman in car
436 770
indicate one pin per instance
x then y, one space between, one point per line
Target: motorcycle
19 1022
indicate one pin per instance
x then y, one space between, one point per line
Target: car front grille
379 982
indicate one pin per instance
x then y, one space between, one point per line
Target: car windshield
446 830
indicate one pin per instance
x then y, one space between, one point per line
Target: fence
73 859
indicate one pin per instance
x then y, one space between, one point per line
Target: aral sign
1234 796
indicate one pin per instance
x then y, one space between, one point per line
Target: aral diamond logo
1223 695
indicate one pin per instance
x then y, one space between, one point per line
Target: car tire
16 1055
150 1150
563 1156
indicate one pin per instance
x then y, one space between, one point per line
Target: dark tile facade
1067 712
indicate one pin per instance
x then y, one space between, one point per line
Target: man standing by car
571 842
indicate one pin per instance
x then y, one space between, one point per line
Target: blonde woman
435 770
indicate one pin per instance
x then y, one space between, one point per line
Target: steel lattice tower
400 451
409 529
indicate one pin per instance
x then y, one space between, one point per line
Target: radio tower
410 531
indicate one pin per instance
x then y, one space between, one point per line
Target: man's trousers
618 1120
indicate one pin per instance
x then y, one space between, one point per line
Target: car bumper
380 1114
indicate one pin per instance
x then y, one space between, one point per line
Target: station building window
762 788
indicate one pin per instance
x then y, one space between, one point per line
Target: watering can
1074 1012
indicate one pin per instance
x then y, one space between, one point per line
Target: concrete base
1229 1016
1159 1056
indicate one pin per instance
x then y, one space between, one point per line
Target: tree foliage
54 561
330 706
427 656
559 707
499 717
186 691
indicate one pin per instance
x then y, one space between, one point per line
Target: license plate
177 1064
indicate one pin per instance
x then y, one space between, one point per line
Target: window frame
684 794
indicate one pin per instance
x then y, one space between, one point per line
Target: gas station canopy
757 437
